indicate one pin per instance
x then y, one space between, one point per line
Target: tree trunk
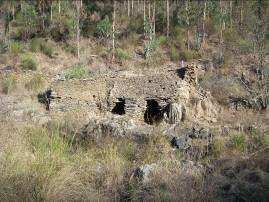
149 12
231 12
51 11
154 22
132 7
128 8
59 6
144 13
78 4
188 24
167 18
203 26
241 14
113 31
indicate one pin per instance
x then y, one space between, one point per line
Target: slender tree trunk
241 14
78 5
167 18
154 21
113 31
222 23
128 8
132 7
149 12
59 6
204 20
51 11
188 24
231 12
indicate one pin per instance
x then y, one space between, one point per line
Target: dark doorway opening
153 113
181 72
119 107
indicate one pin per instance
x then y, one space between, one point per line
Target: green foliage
152 43
244 46
3 47
174 54
103 28
47 49
27 20
231 35
70 48
238 142
122 54
162 40
189 55
136 25
36 83
35 44
38 44
9 83
16 47
76 72
28 62
218 147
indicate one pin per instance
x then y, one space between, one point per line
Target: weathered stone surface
175 113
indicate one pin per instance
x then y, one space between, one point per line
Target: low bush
174 54
244 46
3 47
16 48
218 147
9 83
222 87
186 55
162 40
47 49
35 44
36 83
76 72
70 48
230 35
123 55
238 142
28 62
38 44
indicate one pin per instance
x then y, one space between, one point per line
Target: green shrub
230 35
239 142
9 83
244 46
162 40
266 141
70 48
122 54
28 62
103 28
3 47
27 19
47 49
38 44
35 83
35 44
16 48
218 147
185 55
174 54
76 72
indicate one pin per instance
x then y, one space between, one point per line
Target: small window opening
153 113
119 107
